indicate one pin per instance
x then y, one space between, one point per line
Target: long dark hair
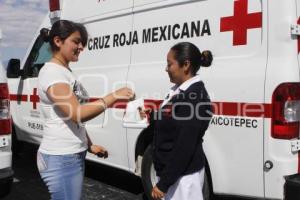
63 29
186 51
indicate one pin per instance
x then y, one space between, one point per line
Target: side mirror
13 68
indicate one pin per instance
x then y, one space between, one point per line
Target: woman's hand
156 193
144 113
98 150
124 93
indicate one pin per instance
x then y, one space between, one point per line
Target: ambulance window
39 54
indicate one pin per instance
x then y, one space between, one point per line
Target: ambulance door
24 97
102 68
233 31
281 154
298 22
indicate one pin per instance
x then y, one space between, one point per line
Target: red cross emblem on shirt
34 98
240 22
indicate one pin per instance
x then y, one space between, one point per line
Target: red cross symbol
34 98
240 22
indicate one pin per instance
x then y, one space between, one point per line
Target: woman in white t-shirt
65 106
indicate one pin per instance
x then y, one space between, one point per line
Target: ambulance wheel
17 145
149 178
207 190
5 187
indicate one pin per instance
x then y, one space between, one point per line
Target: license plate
4 141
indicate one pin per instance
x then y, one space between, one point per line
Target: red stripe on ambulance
17 97
242 109
220 108
228 108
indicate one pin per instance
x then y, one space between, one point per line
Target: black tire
207 190
148 177
5 186
17 145
148 172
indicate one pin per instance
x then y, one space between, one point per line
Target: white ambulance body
6 173
252 143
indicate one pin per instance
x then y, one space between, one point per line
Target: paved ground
100 182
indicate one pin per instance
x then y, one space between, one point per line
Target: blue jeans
63 174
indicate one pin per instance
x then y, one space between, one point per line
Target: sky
19 20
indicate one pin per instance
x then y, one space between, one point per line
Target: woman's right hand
144 113
124 93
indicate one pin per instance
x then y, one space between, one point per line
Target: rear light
292 111
5 119
286 111
54 5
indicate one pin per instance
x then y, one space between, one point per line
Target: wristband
104 103
104 108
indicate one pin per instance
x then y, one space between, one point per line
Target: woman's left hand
157 194
98 150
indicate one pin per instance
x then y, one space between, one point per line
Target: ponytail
63 29
44 33
206 58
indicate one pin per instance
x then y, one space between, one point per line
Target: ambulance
252 145
6 172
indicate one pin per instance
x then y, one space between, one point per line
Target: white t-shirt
61 135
